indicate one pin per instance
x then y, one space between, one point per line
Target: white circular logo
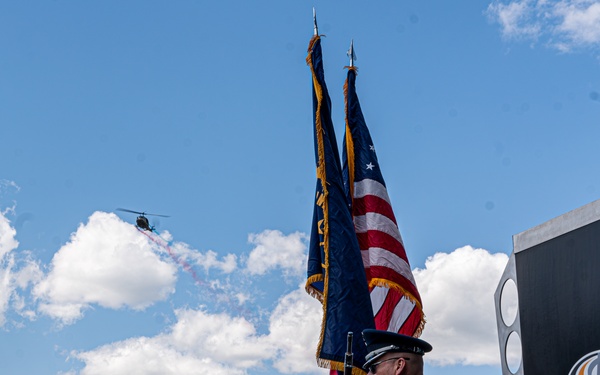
587 365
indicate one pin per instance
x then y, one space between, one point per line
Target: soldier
394 354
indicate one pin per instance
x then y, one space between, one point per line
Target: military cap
380 342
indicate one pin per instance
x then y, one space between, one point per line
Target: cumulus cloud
106 262
458 297
274 250
565 25
580 23
225 339
516 19
8 185
26 273
151 356
6 287
457 290
200 342
8 243
207 260
294 327
16 273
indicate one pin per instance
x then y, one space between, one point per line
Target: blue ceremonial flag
336 274
395 299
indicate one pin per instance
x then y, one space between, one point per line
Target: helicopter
142 221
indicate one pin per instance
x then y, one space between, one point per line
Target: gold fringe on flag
392 285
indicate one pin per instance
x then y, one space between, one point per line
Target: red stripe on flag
382 318
372 203
375 238
411 324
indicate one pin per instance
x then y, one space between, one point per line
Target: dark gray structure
556 269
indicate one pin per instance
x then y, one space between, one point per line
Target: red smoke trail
212 292
165 245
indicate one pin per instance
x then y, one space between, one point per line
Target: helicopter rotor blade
140 213
157 215
133 212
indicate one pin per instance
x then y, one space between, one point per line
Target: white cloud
200 342
206 260
8 243
515 18
458 298
27 272
149 356
109 263
457 290
565 25
275 250
580 22
16 273
8 185
6 287
294 328
221 337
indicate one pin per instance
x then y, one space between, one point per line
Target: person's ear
400 366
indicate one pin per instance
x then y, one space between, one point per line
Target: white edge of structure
560 225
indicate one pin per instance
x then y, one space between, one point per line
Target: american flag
395 299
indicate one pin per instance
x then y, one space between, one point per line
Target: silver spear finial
315 22
351 54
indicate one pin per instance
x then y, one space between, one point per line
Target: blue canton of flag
336 275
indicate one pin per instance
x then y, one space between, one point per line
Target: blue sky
484 115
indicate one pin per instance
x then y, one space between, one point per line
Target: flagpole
316 28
